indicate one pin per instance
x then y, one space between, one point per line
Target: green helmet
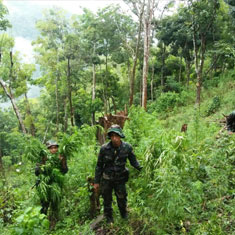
50 143
116 129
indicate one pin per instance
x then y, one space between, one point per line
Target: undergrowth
186 185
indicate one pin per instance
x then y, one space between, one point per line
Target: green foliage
7 205
34 150
187 183
12 144
4 23
169 100
76 187
212 82
172 85
68 144
182 176
214 106
190 178
30 221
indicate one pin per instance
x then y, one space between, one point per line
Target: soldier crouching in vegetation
112 173
50 172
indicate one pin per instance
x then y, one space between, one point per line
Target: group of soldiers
111 173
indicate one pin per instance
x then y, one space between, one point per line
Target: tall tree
12 85
115 31
147 34
203 21
25 73
138 9
173 31
55 55
86 27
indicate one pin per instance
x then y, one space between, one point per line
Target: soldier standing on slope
112 173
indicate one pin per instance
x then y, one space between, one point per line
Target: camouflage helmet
116 129
50 143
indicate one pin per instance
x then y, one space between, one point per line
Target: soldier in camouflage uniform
112 173
50 173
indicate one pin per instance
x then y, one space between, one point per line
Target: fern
34 150
68 145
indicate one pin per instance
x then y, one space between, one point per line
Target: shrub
167 101
214 106
31 221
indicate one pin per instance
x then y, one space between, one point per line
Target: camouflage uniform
48 165
112 173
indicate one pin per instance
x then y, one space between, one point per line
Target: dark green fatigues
112 174
46 168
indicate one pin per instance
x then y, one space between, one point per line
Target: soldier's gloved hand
37 171
37 182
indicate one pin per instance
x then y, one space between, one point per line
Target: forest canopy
153 69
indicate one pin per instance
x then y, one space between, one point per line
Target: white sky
71 6
75 7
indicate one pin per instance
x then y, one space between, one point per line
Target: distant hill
23 16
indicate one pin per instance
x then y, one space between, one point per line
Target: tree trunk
65 115
180 73
152 96
147 33
104 89
57 104
213 66
17 112
28 111
104 97
70 92
188 66
201 56
1 164
109 105
93 84
93 92
132 82
45 133
199 69
195 49
163 66
114 105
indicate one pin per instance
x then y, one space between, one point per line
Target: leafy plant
31 221
214 106
7 204
35 150
68 145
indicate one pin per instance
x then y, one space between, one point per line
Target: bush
183 180
212 82
172 85
167 101
214 106
31 221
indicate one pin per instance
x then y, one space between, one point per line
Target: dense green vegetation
86 64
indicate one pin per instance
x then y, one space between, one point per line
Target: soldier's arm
99 167
133 160
38 169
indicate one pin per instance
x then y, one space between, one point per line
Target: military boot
109 219
124 214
